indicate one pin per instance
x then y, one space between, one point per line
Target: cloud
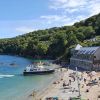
24 29
74 10
69 10
94 7
64 4
17 27
90 7
60 13
58 19
53 18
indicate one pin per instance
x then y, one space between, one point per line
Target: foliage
55 42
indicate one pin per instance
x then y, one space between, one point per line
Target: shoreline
40 93
54 89
32 95
29 95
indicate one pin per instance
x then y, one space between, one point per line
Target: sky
22 16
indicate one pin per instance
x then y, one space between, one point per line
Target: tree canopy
55 42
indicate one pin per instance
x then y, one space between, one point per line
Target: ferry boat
37 69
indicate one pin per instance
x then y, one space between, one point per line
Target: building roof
78 47
87 50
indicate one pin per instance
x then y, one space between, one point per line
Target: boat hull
38 72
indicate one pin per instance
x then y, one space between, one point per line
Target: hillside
54 43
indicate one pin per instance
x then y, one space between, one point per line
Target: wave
4 76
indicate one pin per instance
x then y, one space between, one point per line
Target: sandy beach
65 85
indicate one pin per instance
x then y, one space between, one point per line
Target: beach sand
56 88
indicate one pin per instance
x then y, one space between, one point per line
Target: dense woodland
53 43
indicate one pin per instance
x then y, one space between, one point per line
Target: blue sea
15 86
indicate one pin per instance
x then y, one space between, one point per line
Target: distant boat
37 69
13 64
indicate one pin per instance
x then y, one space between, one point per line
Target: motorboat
37 69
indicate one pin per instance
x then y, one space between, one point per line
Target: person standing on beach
99 81
84 80
69 81
74 78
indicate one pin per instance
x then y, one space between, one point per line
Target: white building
86 57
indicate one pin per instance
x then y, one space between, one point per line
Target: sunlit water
15 86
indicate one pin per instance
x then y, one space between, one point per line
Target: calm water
15 86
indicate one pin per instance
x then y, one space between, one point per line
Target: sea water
15 86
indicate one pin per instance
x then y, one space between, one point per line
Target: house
86 57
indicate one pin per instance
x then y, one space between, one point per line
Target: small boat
37 69
13 64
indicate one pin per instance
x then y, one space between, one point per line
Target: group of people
69 82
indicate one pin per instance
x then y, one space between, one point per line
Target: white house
86 57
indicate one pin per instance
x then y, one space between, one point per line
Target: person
81 76
84 80
61 70
73 90
64 84
82 85
73 78
99 78
98 82
87 90
69 81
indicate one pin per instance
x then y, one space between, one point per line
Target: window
94 56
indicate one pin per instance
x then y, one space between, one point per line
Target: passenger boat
37 69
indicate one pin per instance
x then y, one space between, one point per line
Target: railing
83 57
83 60
96 61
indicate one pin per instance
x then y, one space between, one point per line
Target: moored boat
37 69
